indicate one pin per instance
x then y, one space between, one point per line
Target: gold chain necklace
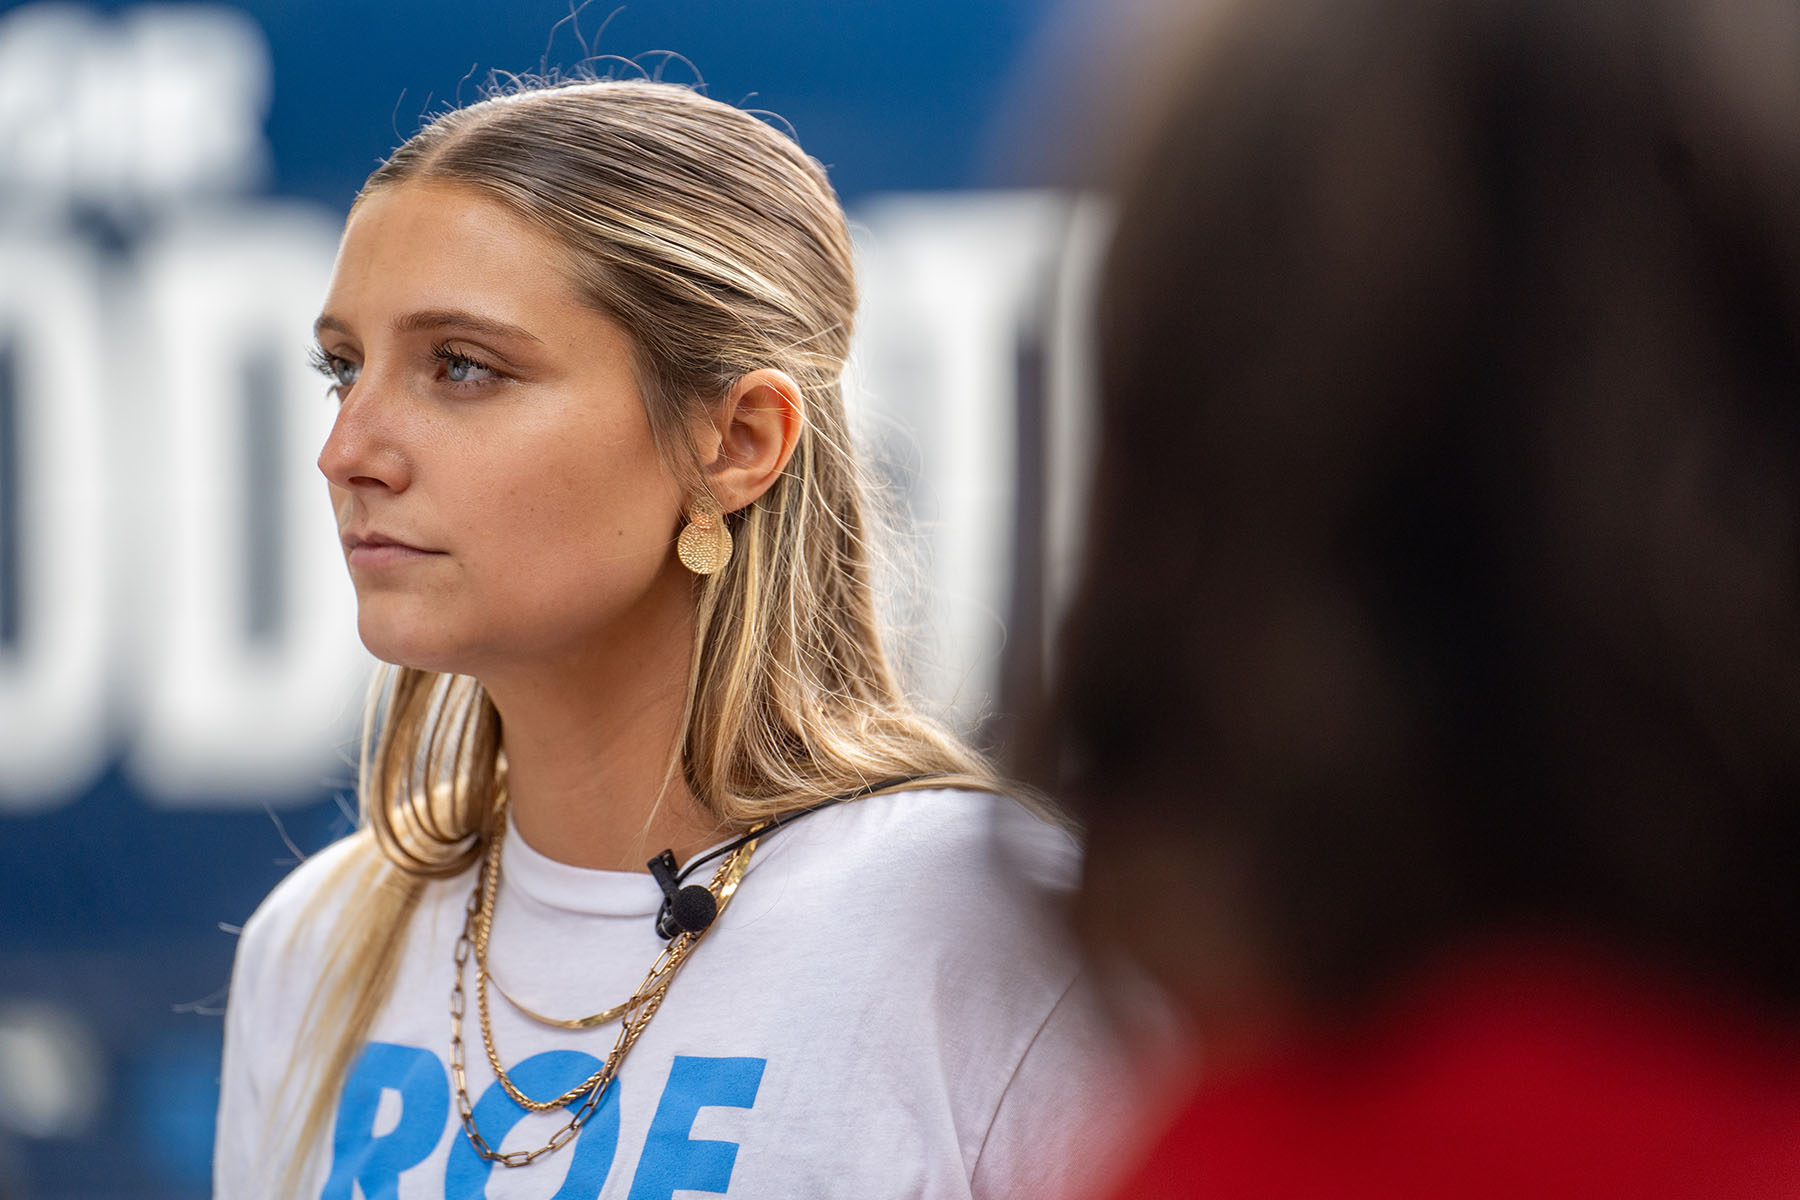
637 1011
723 887
484 978
606 1016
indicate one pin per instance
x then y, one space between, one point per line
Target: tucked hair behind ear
720 248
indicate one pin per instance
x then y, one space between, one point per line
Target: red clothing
1521 1075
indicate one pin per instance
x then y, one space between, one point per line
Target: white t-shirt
885 1010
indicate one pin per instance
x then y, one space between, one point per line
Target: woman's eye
460 368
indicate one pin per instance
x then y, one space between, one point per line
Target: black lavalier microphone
684 909
692 908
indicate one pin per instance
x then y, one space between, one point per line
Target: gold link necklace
478 919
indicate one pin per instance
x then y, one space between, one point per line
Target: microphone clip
687 909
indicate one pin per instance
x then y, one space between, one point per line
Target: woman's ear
746 443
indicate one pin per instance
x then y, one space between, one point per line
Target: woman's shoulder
931 851
937 826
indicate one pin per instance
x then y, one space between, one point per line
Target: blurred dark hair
1443 573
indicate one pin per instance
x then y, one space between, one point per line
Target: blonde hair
717 244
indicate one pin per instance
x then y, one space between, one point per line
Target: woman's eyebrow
438 318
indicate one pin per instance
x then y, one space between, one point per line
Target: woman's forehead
419 249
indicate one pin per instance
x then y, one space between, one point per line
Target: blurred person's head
1443 575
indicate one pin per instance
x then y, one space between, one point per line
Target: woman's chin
406 647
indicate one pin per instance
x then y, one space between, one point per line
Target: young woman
591 473
1447 681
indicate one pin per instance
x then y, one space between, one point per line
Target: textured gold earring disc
704 546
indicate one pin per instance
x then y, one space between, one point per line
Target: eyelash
326 365
323 363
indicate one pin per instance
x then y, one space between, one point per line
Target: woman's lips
376 553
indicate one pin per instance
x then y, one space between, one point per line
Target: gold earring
704 546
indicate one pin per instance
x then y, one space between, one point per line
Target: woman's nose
364 450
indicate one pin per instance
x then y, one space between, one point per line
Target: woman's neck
591 753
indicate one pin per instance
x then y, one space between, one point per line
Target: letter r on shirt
671 1160
361 1157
